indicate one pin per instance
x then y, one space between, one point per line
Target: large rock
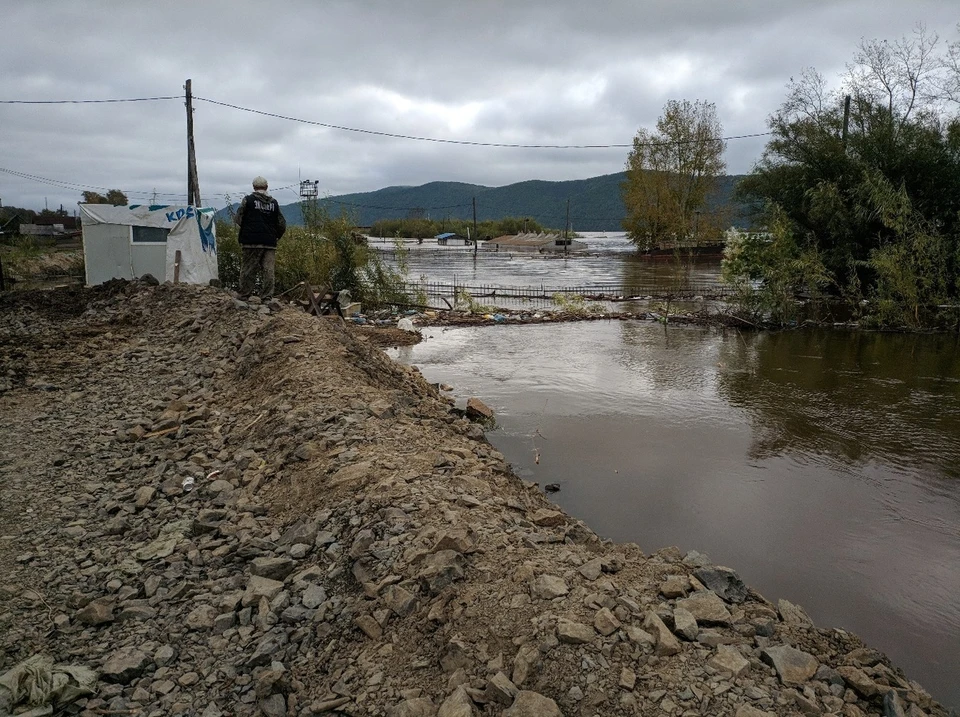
706 608
416 707
574 633
143 496
401 601
300 532
666 643
793 614
160 548
458 704
548 587
500 689
793 666
441 569
685 624
260 587
858 680
272 568
723 581
675 586
605 622
532 704
313 597
477 410
455 657
202 617
124 666
546 518
524 663
591 569
274 706
98 612
268 646
459 539
728 659
640 636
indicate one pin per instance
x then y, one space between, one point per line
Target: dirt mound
229 508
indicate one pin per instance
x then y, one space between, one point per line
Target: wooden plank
312 299
176 267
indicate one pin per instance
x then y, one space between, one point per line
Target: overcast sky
499 71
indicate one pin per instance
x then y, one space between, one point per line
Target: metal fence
682 288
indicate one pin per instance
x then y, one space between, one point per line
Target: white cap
259 183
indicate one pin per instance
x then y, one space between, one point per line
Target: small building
453 239
540 243
54 226
173 243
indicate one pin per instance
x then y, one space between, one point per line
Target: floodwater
608 259
824 466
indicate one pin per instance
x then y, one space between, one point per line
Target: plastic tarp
114 248
39 683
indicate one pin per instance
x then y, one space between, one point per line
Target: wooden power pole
476 239
193 183
566 230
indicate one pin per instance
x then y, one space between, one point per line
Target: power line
393 135
77 187
407 136
91 102
468 142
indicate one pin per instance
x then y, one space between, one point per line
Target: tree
115 197
670 172
902 76
879 207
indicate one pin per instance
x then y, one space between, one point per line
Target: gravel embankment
350 545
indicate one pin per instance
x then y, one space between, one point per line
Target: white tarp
127 242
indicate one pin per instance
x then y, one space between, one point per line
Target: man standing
261 226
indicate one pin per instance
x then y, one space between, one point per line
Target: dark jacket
261 221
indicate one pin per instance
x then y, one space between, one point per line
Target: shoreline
351 546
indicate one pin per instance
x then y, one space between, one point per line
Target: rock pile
232 508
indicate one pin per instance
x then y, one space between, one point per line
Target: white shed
174 243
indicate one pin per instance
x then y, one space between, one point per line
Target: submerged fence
686 288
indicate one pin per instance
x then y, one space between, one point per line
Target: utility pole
193 183
476 239
846 121
566 229
2 285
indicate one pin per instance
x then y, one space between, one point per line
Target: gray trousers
257 260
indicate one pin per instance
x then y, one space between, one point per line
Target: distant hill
595 203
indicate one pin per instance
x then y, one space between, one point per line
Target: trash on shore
39 683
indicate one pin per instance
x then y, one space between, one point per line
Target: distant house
452 239
52 226
539 243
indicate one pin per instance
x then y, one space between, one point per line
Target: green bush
768 270
326 253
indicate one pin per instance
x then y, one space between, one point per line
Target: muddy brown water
824 466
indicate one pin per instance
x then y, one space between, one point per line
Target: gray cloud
536 72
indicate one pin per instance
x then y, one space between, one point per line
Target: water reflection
854 396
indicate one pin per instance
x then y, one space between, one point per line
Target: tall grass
326 253
30 257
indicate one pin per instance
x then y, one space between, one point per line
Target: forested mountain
595 203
